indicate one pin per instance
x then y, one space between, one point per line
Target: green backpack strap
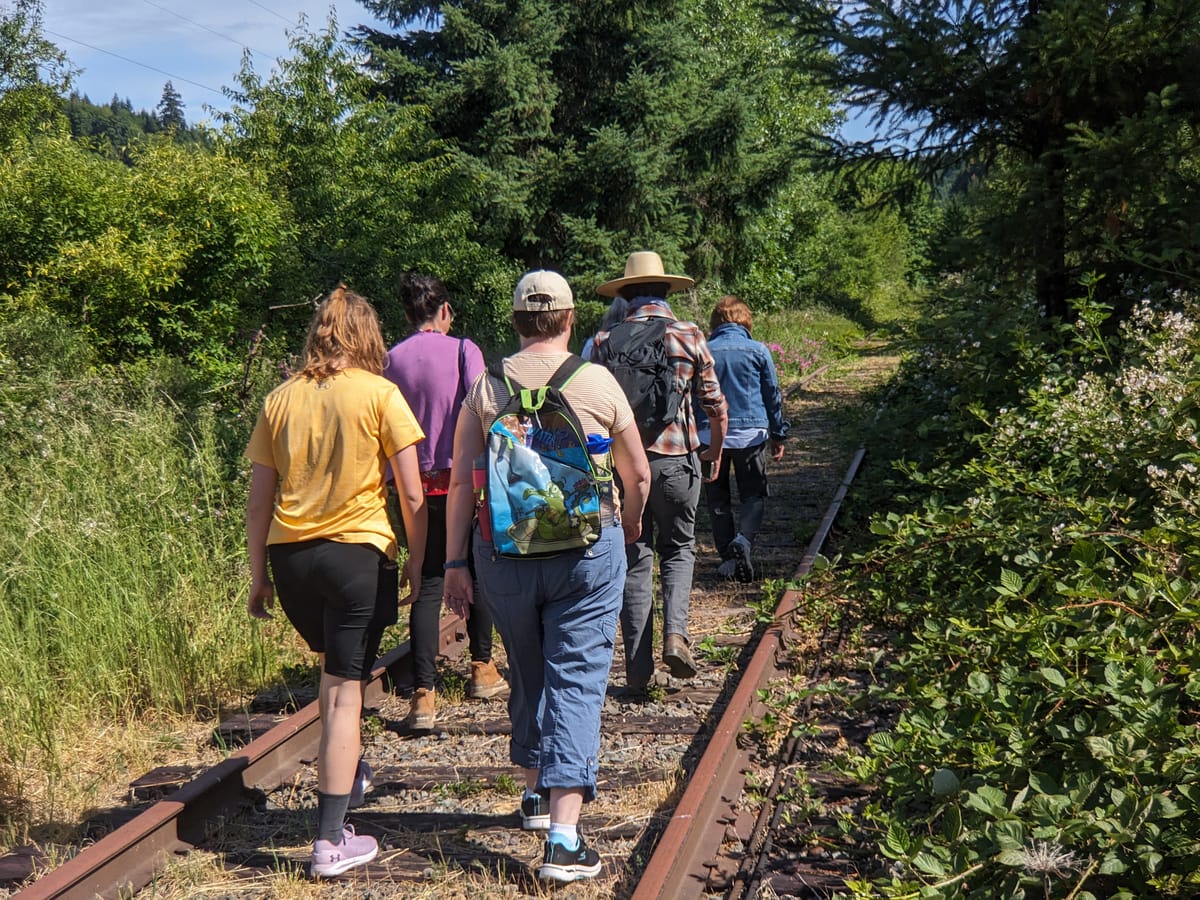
571 366
532 399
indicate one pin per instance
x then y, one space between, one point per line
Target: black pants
425 613
749 469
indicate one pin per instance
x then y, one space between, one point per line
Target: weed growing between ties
1037 565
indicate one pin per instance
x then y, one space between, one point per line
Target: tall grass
122 573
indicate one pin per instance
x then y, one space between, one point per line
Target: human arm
260 504
629 457
406 471
458 591
772 398
707 391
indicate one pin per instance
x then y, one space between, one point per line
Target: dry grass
93 774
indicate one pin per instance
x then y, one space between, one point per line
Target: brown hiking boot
420 714
485 681
678 657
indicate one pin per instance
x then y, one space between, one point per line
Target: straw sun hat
644 267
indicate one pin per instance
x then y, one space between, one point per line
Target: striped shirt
593 393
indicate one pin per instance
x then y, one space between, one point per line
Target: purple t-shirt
425 366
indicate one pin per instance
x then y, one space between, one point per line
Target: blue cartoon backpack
543 488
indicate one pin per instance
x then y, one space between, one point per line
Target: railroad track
672 819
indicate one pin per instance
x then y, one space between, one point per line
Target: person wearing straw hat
669 522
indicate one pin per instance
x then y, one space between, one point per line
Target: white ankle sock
564 835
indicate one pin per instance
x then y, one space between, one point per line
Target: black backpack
636 353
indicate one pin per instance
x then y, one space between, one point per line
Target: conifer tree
170 109
596 127
1092 109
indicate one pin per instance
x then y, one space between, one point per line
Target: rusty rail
125 860
685 856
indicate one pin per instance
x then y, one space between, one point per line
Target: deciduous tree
34 73
373 192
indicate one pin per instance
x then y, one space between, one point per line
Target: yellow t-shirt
330 442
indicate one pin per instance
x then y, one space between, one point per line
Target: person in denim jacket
746 372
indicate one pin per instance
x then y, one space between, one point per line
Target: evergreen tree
600 126
1091 109
170 109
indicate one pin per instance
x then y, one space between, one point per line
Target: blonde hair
731 309
344 334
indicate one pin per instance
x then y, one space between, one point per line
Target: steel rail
689 844
127 859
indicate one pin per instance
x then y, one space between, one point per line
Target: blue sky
133 47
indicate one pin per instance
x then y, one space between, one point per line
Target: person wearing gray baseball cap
557 615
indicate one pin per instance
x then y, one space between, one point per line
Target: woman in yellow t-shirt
317 510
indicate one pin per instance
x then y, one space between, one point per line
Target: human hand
776 450
262 598
458 591
632 529
410 577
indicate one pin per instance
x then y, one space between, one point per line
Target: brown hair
421 296
344 334
543 324
731 309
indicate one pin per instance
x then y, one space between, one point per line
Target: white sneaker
727 568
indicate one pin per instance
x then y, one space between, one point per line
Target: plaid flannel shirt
695 375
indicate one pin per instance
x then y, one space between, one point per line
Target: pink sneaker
329 858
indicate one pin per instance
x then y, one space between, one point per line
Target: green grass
123 576
123 582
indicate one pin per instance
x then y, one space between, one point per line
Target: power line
210 30
170 75
272 12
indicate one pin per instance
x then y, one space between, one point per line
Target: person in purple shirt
433 371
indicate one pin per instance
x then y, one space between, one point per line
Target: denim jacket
746 372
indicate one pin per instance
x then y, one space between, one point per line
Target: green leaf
929 864
987 799
1011 583
1053 676
944 782
898 843
1099 747
952 823
1112 865
1014 858
979 683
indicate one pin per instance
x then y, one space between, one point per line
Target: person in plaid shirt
669 522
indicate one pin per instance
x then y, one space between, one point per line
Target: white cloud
131 48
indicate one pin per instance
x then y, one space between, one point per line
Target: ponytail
344 333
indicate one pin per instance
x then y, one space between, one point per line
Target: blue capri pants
558 619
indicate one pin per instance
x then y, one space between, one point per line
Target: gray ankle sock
331 816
